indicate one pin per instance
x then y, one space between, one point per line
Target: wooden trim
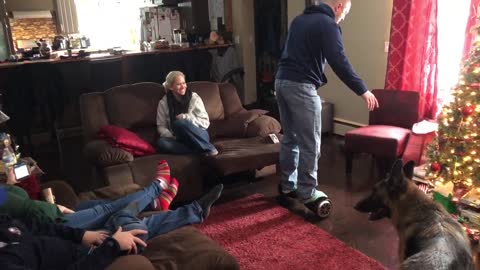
227 10
6 26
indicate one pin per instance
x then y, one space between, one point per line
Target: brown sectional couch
239 135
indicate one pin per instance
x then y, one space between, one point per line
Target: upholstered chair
389 128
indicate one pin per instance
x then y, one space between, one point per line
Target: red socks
162 203
163 173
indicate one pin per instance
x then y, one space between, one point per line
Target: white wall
365 31
244 35
294 8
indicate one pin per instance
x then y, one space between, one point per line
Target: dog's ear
396 176
396 167
408 169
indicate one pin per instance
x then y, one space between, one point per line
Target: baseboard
342 126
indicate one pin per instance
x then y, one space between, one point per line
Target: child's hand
91 238
64 209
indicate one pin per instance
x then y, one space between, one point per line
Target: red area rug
263 235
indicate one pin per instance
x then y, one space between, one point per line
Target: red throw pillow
126 140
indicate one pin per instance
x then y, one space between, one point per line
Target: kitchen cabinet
194 17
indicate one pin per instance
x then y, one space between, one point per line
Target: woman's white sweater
196 114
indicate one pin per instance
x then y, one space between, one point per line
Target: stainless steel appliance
59 43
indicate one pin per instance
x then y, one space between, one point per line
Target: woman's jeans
300 113
95 217
189 139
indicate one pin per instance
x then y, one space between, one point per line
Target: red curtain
469 35
412 57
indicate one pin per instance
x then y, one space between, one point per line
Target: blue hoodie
313 40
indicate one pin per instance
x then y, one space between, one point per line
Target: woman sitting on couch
182 120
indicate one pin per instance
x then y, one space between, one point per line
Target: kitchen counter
107 56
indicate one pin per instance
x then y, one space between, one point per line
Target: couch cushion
109 192
93 113
149 134
187 248
238 155
230 99
210 94
133 105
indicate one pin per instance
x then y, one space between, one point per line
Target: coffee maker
59 43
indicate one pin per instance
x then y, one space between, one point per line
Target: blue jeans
95 217
300 110
158 223
189 139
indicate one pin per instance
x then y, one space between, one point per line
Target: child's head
175 82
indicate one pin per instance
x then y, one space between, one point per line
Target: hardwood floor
375 239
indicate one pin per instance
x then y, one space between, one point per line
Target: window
451 21
110 23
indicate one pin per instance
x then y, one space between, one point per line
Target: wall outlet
387 45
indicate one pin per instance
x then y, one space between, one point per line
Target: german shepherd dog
429 237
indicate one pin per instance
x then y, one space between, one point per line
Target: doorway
270 34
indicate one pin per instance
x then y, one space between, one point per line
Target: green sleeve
20 206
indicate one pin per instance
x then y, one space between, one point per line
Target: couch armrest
236 125
262 126
131 262
63 192
102 154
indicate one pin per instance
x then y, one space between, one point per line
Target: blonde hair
171 77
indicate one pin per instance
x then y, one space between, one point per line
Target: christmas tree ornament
468 111
435 166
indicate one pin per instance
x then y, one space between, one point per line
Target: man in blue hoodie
314 39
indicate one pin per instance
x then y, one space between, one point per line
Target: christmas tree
454 154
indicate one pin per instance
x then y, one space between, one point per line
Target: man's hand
64 209
128 240
371 100
91 238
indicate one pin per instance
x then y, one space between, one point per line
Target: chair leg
348 162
